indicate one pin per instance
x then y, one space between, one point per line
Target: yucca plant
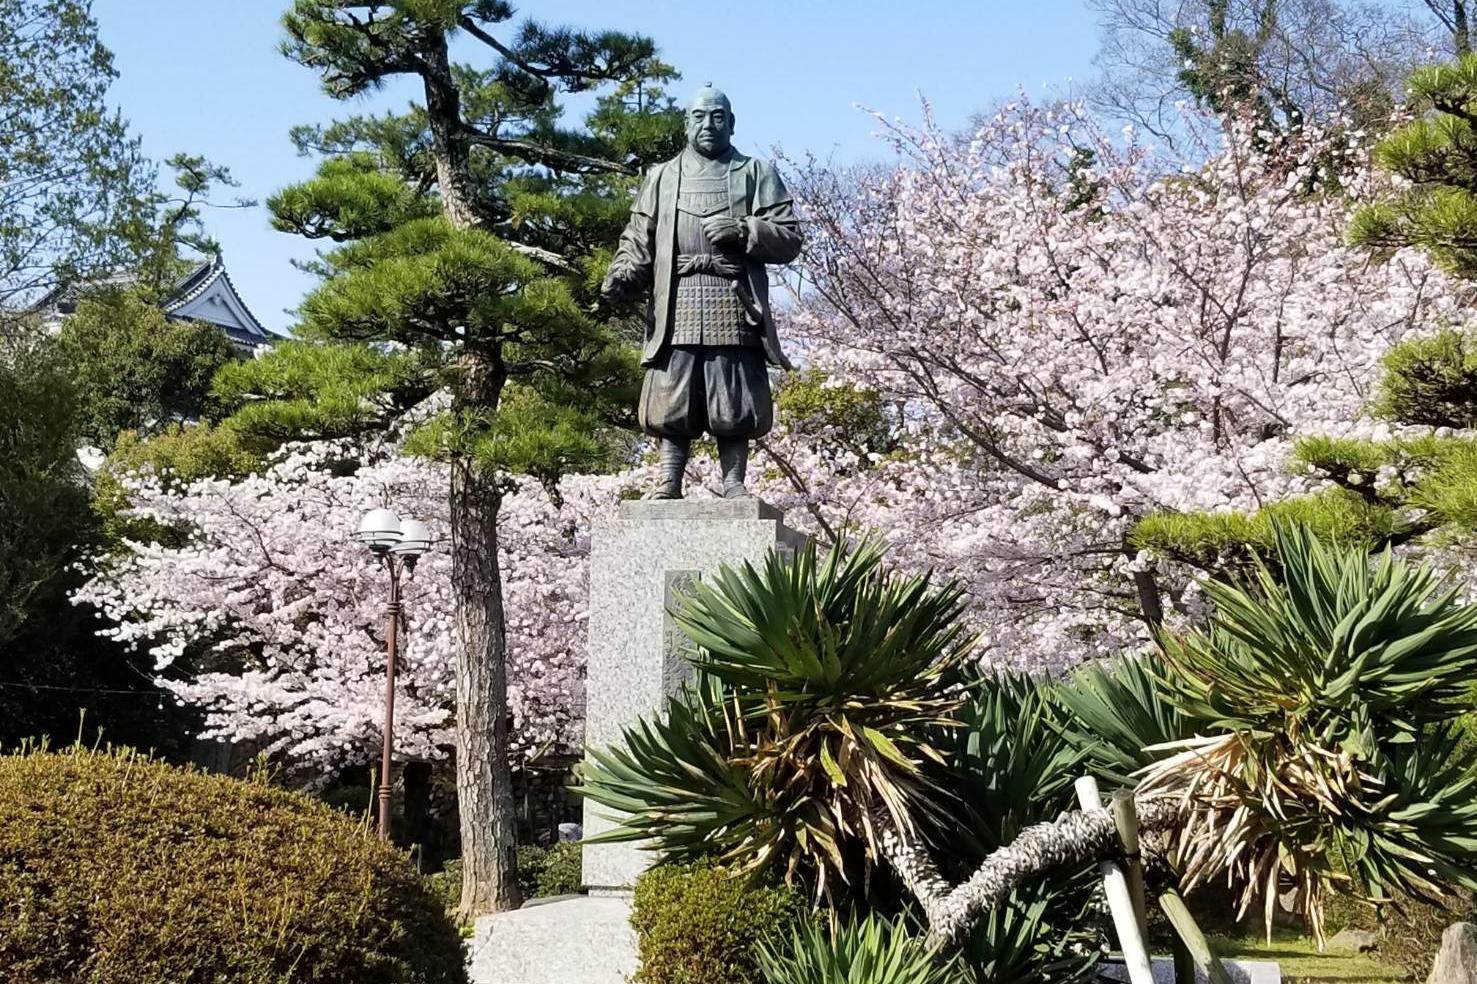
1028 940
680 781
1008 758
1114 713
1322 693
870 950
1014 766
823 688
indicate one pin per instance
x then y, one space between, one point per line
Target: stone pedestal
639 565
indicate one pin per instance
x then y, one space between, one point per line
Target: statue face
709 124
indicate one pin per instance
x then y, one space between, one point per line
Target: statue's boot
733 456
674 451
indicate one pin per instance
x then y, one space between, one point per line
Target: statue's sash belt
689 264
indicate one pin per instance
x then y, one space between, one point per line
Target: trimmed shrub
542 872
446 885
117 869
546 871
698 923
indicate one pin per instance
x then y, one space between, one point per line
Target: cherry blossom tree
1074 332
260 610
281 616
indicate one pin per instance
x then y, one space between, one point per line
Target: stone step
1241 971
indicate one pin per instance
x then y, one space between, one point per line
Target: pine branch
475 29
551 157
544 256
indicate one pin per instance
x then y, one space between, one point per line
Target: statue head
709 122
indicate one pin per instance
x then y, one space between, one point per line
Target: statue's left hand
724 229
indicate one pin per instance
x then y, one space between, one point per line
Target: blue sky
204 76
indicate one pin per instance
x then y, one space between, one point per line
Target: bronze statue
703 227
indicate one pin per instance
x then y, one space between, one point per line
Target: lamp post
398 543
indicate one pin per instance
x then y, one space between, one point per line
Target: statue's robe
757 198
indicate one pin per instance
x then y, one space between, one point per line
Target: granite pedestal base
639 567
577 939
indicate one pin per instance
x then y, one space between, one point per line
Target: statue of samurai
703 227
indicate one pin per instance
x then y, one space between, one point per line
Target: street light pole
392 634
399 544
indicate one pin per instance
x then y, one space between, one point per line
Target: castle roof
206 293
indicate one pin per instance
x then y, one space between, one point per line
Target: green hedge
698 924
116 869
546 871
542 872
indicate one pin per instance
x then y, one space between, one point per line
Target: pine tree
1435 153
469 235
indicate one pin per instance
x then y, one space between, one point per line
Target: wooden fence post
1120 899
1126 821
1194 940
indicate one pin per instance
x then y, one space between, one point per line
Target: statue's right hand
619 285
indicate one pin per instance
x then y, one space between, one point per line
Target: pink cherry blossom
1062 368
284 614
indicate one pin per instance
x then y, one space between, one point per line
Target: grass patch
1303 964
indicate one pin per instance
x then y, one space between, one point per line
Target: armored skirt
692 389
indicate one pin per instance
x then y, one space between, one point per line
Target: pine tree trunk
484 782
449 144
484 778
1151 601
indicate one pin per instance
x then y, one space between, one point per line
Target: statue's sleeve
773 229
638 241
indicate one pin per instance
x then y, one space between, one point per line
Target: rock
571 832
549 900
1456 961
1357 940
1289 909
